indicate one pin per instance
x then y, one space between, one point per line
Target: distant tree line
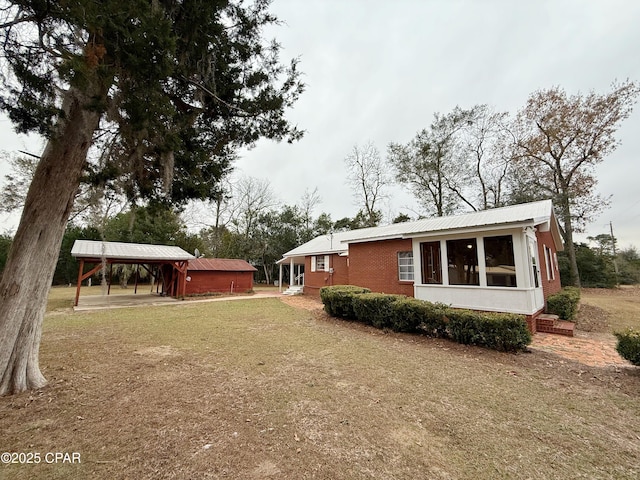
248 222
598 265
280 228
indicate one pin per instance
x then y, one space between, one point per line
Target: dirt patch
592 319
160 351
303 301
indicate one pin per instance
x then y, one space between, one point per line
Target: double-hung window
320 263
405 266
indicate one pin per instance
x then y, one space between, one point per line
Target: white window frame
549 260
405 260
320 266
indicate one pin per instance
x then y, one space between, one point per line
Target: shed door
431 262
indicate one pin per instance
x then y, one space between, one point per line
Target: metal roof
221 265
128 251
534 213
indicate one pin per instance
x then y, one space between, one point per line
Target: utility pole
615 263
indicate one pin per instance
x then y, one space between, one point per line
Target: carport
167 263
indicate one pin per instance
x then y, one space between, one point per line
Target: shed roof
92 249
220 265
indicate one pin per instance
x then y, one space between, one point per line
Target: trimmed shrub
629 345
408 314
435 322
411 315
564 303
338 300
500 331
462 327
377 309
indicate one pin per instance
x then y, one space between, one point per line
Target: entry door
431 262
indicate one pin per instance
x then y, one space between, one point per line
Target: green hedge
565 303
504 332
629 345
417 316
375 309
338 300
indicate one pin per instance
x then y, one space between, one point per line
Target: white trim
490 299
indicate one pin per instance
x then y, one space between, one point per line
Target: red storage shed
208 275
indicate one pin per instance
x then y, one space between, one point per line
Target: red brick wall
216 281
374 265
314 281
552 286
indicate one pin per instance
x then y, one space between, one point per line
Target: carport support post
110 273
280 280
79 282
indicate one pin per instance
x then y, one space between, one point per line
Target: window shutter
313 264
326 263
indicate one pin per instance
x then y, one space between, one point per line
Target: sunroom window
499 261
462 256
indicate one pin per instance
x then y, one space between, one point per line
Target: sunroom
492 270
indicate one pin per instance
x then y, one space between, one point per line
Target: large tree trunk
32 259
570 246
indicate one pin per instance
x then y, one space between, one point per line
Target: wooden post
184 278
79 282
135 290
109 282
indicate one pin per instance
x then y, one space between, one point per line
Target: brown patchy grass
621 306
261 389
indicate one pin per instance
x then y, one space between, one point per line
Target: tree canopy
164 90
178 85
560 138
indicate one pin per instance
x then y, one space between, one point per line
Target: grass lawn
622 305
256 388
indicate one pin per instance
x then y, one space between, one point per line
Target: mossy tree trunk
32 259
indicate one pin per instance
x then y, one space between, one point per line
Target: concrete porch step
294 290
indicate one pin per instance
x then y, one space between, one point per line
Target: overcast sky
378 71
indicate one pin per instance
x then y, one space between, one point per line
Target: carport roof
91 249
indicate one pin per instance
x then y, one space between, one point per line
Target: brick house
207 275
502 259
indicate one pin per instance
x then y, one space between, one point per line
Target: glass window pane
431 263
499 261
462 259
